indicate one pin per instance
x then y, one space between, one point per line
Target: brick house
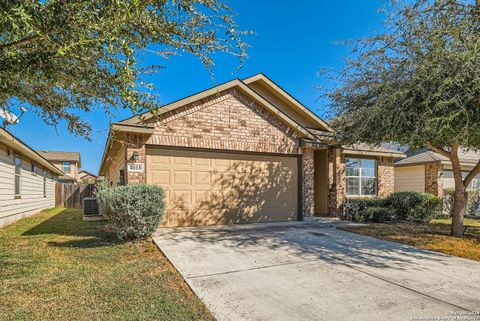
244 151
428 172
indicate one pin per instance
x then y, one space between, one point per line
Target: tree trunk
459 198
458 212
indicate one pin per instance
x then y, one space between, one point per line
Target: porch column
336 182
433 181
308 166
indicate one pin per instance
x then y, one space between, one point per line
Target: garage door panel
205 188
202 177
161 177
182 177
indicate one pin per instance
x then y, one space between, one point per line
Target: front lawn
54 266
433 236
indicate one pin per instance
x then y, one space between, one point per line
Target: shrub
414 207
357 210
379 214
134 210
473 201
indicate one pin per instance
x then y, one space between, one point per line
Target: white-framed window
66 167
17 162
33 167
360 177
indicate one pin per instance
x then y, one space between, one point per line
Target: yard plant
397 207
134 210
417 84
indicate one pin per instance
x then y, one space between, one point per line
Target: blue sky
293 40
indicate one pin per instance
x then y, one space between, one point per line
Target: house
243 151
87 177
68 162
27 180
429 172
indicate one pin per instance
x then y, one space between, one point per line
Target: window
44 183
66 167
121 177
33 167
360 177
18 175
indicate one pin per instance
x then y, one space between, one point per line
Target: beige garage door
207 188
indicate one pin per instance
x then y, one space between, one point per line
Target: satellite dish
9 118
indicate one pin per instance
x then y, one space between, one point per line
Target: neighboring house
27 180
87 177
68 162
244 151
429 172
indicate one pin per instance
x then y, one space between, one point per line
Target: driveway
311 271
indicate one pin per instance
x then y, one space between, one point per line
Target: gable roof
20 147
279 91
60 156
243 85
430 157
82 171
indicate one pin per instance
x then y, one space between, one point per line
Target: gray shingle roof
60 156
426 157
379 149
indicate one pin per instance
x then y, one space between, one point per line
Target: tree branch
439 150
473 173
20 42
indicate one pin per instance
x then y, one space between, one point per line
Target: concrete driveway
311 271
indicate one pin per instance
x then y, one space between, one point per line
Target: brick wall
308 164
386 176
136 143
432 183
230 121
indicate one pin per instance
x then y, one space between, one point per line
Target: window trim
44 184
360 178
69 167
19 195
33 167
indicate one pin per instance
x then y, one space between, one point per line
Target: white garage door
208 188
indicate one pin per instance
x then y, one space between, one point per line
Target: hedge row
400 206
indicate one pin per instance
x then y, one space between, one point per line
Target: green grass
54 266
434 236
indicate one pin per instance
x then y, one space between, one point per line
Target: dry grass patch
54 266
433 236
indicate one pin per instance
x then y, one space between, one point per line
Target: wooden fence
72 195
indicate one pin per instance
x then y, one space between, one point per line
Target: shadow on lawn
69 222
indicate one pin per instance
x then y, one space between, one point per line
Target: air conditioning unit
90 209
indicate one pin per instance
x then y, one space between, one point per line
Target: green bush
134 210
379 214
414 207
473 201
359 210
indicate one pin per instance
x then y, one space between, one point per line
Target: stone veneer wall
432 183
336 182
386 176
308 167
